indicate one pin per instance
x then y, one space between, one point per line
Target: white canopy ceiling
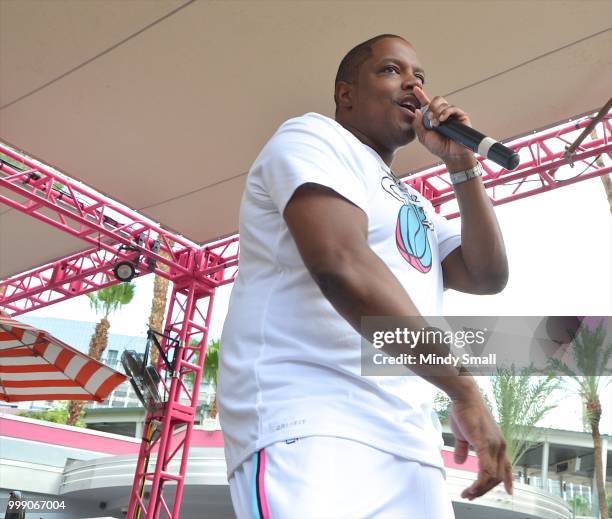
163 105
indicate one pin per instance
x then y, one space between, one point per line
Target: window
111 358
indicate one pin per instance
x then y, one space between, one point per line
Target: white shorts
323 477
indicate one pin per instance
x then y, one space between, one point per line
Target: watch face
458 178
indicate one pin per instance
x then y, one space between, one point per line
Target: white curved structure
92 473
109 480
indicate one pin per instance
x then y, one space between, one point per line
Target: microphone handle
476 141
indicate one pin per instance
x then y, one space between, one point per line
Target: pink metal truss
72 207
115 233
188 319
118 234
92 270
542 157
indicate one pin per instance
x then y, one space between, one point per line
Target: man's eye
422 78
389 67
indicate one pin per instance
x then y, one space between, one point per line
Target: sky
559 247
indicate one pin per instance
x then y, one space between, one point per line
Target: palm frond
211 362
110 299
521 399
94 302
591 358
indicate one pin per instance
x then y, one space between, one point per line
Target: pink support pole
188 320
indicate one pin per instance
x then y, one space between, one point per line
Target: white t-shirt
290 364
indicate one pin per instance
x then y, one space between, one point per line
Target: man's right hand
473 425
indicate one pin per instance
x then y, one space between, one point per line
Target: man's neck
385 155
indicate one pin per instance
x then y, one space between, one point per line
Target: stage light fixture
125 271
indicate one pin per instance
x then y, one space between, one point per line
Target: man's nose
409 81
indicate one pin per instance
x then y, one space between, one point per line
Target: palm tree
591 358
211 368
521 402
158 304
104 301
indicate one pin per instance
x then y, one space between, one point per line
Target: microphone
475 141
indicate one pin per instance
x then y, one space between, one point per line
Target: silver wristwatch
459 177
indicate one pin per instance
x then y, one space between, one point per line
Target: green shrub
57 413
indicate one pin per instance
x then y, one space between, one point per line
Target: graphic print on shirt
411 234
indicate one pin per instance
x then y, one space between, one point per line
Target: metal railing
579 497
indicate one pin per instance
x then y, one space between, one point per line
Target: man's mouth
408 106
408 109
409 103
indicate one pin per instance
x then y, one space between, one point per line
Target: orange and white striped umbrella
34 365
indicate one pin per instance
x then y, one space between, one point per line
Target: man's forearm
482 245
366 287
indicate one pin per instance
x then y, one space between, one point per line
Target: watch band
458 177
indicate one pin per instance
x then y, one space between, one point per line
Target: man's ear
344 94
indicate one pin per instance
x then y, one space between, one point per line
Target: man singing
329 235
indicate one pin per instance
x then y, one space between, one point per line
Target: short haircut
348 70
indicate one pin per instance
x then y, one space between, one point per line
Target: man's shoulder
311 121
310 138
314 130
